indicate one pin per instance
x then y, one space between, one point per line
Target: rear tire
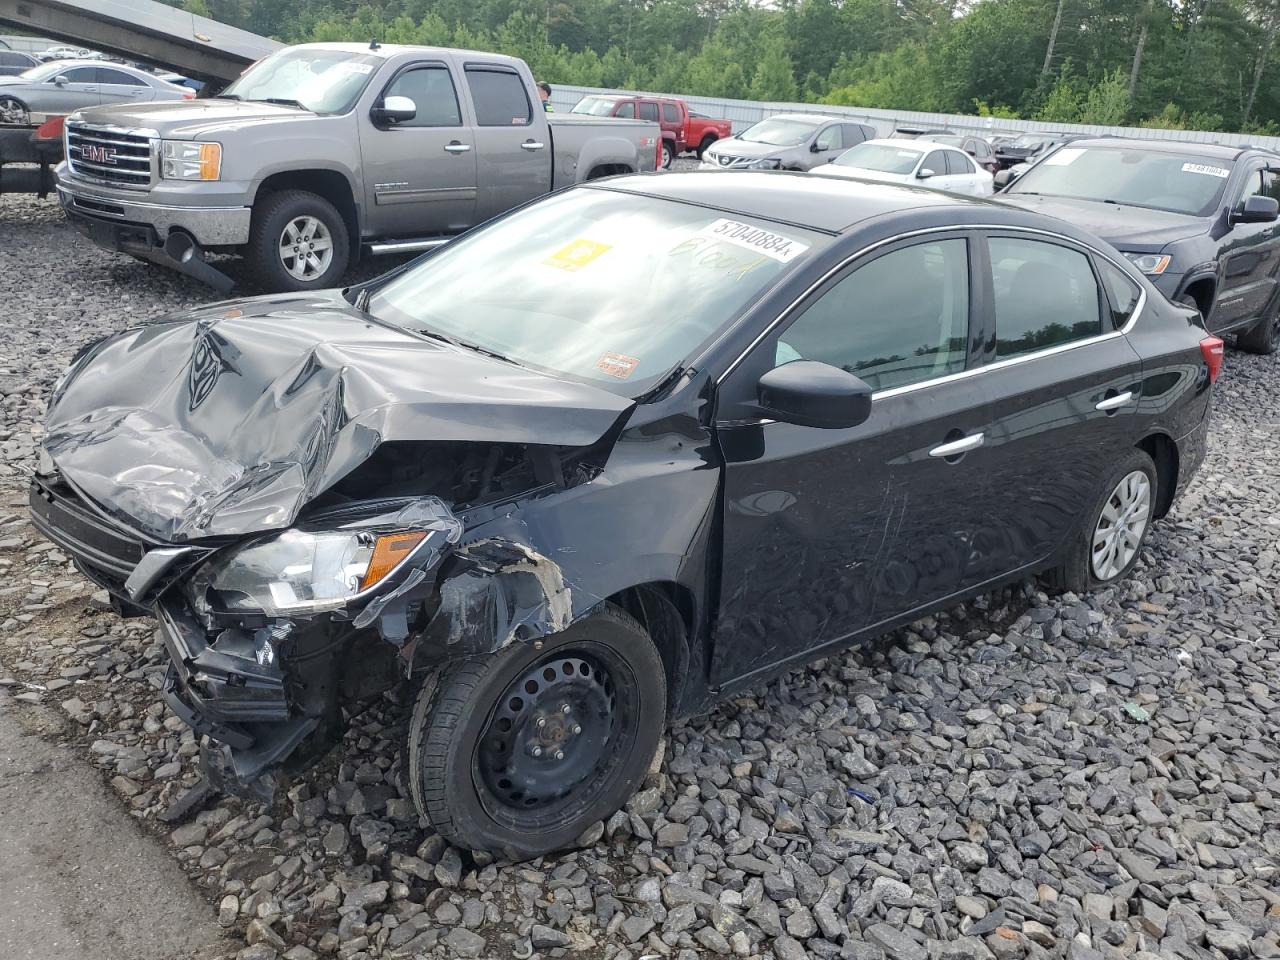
705 145
297 241
1110 540
668 154
1263 337
519 751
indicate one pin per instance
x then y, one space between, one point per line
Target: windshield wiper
283 101
455 342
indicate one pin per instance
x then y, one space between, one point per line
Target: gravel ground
1028 775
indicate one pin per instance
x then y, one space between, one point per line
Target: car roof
389 50
810 117
1221 151
826 204
912 143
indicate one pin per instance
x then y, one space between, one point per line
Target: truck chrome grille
110 155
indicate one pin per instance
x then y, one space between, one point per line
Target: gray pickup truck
322 152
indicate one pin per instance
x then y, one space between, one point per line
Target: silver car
63 86
787 141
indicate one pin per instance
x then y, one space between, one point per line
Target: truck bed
580 152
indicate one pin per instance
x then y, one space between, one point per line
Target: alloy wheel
12 111
306 248
1121 525
554 730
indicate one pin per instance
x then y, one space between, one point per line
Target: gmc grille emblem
96 154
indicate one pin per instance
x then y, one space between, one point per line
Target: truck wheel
298 241
668 154
519 751
1263 337
13 110
705 145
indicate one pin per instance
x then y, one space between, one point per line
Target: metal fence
743 113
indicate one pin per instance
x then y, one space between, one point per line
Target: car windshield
880 157
778 132
43 72
595 106
1029 140
943 138
1179 183
602 286
322 81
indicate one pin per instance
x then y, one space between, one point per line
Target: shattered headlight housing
301 572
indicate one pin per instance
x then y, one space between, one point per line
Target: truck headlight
299 572
765 163
185 160
1152 264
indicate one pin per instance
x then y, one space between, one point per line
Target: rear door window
499 97
1045 295
670 113
852 134
648 110
107 75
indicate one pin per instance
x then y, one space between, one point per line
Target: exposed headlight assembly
1152 264
765 163
299 572
186 160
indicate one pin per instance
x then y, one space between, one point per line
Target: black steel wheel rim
553 736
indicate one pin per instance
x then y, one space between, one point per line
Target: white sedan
932 165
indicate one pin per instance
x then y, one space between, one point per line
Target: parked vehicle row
787 141
916 162
1201 221
571 506
322 152
63 87
682 131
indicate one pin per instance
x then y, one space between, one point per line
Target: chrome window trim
963 374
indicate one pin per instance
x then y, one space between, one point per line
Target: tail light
51 129
189 96
657 153
1211 348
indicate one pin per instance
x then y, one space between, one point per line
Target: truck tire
518 751
705 145
668 154
297 241
1263 337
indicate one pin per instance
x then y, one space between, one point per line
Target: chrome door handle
1113 403
956 447
456 147
532 145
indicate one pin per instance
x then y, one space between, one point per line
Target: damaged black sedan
619 453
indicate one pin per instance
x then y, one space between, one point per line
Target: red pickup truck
681 130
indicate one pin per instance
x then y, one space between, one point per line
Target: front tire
298 241
1110 541
13 110
519 751
1263 337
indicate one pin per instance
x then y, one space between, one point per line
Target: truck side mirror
394 110
814 394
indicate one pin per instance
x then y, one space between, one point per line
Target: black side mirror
1257 209
813 394
394 110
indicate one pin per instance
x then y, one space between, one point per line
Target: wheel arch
1162 449
332 185
666 610
1203 290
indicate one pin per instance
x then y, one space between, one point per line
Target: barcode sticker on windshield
1064 157
1206 169
773 245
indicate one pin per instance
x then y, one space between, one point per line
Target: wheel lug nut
536 751
559 754
577 729
565 708
540 722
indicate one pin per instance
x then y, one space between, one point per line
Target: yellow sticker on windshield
576 255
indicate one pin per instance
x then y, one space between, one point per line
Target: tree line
1195 64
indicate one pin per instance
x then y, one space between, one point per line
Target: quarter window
431 90
1122 292
500 98
900 319
1045 296
670 113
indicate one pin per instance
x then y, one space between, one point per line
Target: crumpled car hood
228 420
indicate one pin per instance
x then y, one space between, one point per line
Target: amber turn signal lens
387 554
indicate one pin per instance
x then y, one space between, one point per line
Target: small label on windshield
576 255
1206 169
617 365
1064 157
773 245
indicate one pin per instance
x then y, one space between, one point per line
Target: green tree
775 77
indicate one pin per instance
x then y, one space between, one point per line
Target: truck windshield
779 132
602 286
322 81
595 106
1176 182
880 157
